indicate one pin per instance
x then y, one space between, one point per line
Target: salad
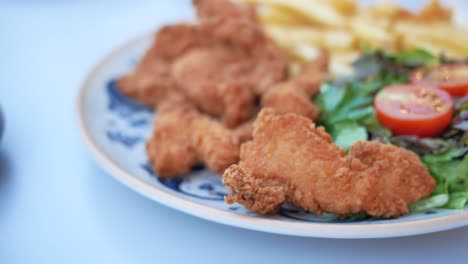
411 99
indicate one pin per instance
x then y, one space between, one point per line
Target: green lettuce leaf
416 57
451 174
349 116
348 133
457 200
429 203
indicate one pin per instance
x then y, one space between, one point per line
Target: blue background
58 206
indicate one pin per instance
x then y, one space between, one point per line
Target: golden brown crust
401 178
317 175
313 74
172 41
222 63
244 130
183 137
271 66
295 95
217 146
256 194
170 148
289 98
213 79
239 102
149 83
209 9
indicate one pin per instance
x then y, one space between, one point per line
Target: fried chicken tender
401 177
183 137
212 79
244 130
170 148
208 9
313 74
222 63
151 81
271 66
237 26
290 160
172 41
215 145
289 98
295 95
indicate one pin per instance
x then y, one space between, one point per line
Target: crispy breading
401 177
182 137
256 194
214 144
151 81
244 130
170 147
222 63
271 66
301 163
313 74
237 26
214 80
295 95
289 98
208 9
172 41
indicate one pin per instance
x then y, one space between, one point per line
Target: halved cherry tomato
452 78
410 109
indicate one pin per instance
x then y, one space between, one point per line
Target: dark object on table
1 123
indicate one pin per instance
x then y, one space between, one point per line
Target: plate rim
264 224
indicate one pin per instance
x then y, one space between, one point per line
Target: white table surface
58 206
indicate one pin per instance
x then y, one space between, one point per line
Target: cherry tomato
452 78
410 109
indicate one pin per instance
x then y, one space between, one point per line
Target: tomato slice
452 78
411 109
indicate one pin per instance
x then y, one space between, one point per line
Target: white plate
115 128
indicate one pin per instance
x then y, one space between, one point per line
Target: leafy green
346 112
416 57
450 170
350 133
458 130
423 146
384 68
348 115
347 107
446 156
457 200
429 203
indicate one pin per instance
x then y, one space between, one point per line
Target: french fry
306 52
415 42
339 40
286 36
437 34
345 57
371 34
333 40
346 7
274 15
304 27
315 11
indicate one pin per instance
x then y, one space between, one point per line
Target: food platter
114 128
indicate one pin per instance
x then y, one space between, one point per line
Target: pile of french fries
343 27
